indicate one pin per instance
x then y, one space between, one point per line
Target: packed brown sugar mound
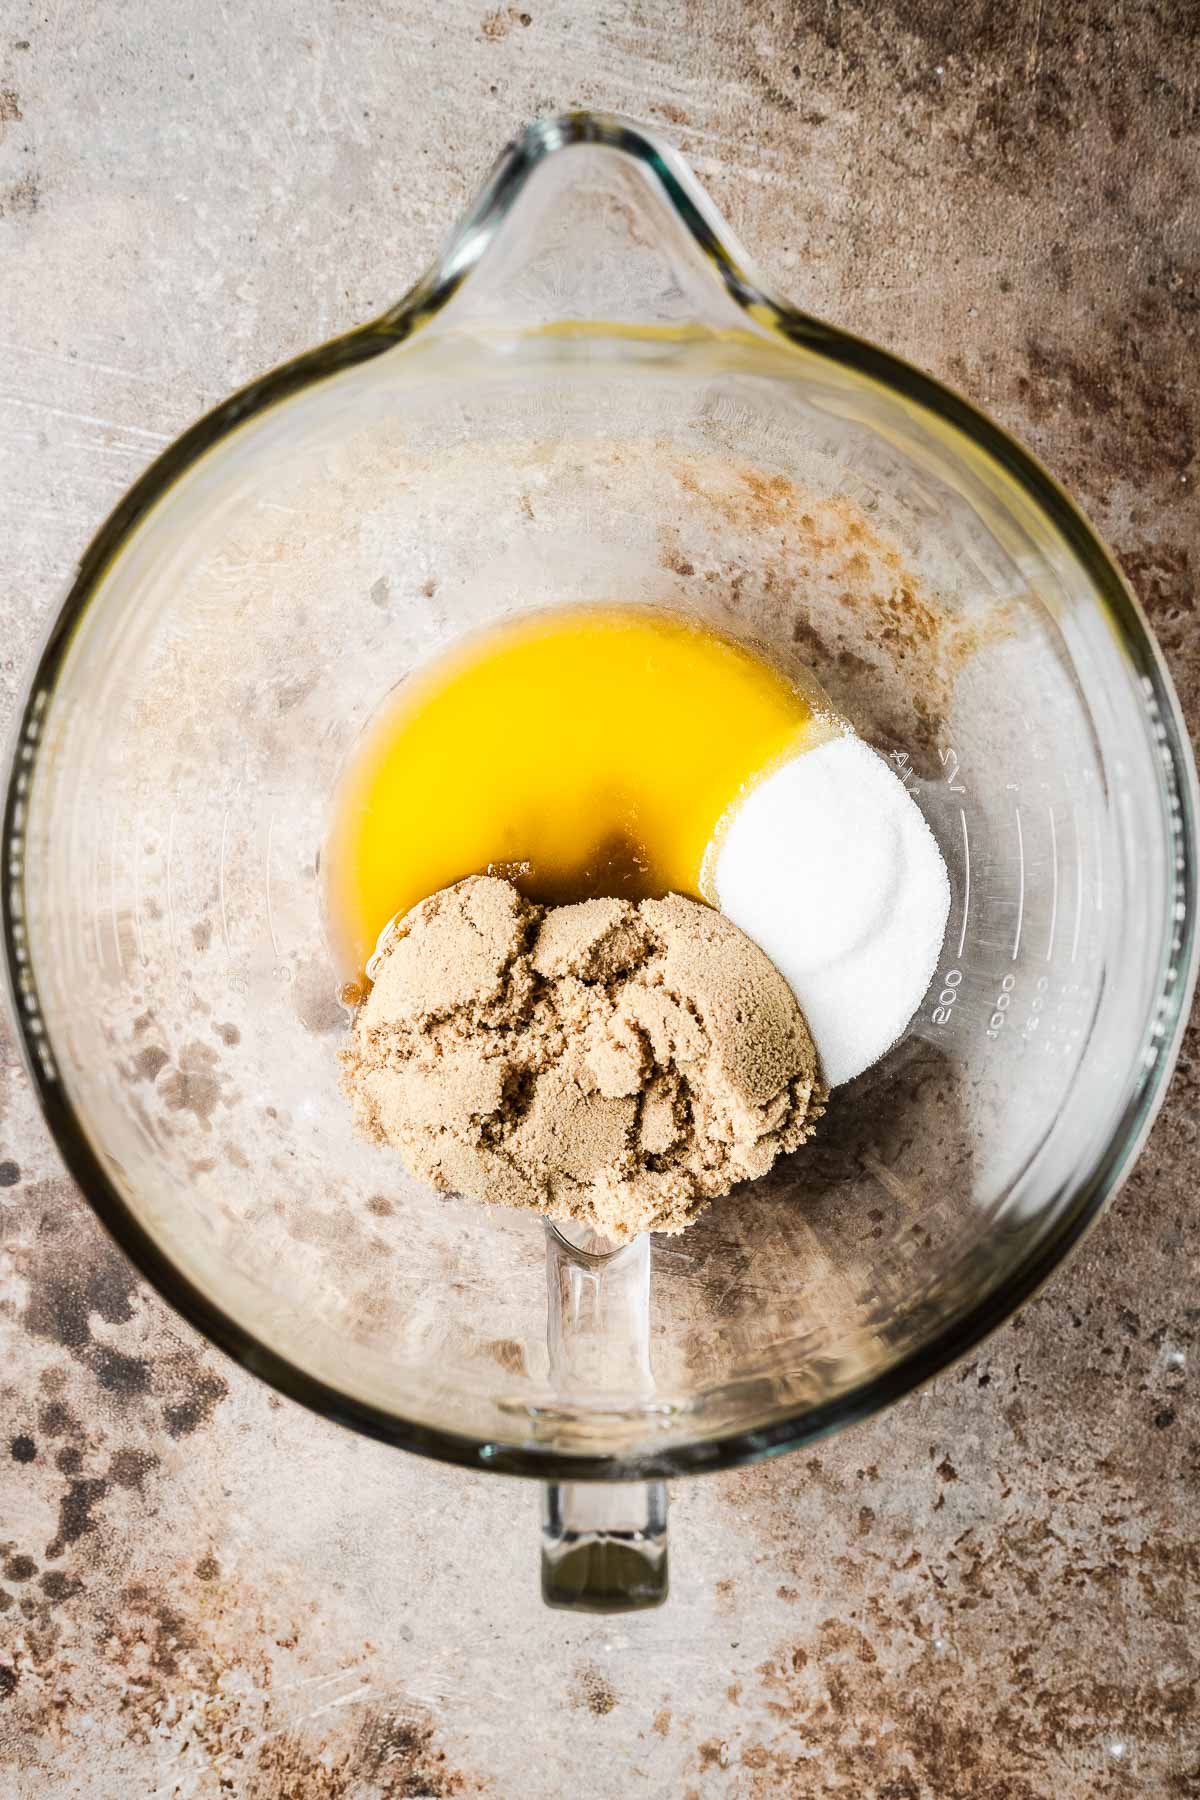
613 1063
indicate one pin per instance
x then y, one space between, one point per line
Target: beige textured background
991 1593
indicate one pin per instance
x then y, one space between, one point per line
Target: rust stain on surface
814 569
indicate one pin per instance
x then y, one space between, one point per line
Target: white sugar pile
829 866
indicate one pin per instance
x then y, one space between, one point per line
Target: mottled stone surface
991 1593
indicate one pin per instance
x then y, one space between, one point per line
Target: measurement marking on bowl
97 914
170 887
962 936
137 890
1053 884
267 884
1020 883
221 880
112 894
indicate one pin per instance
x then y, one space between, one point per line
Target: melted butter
586 751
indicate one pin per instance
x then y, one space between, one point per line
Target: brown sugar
615 1063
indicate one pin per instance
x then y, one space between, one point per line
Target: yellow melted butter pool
584 751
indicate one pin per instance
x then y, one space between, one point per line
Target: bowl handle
604 1544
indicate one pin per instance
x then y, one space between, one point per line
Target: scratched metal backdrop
991 1593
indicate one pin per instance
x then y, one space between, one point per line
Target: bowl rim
734 270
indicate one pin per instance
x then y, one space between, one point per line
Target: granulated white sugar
830 867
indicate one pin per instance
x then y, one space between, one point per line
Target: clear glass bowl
592 396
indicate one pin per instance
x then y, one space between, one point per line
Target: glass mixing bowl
592 396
